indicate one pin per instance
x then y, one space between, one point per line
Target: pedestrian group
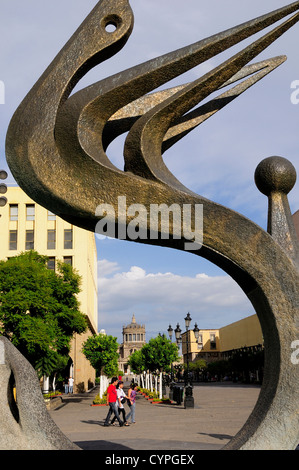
116 398
69 385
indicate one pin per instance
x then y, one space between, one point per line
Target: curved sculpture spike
123 119
56 153
144 142
193 119
70 154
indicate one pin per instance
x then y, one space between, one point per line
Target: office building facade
26 225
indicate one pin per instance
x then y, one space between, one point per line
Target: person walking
132 402
71 384
66 386
112 402
121 399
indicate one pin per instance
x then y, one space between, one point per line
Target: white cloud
158 299
134 274
106 267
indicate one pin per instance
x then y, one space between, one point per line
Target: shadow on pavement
101 445
217 436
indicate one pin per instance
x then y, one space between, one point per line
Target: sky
217 160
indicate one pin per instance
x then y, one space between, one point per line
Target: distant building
133 340
207 347
214 344
245 333
26 225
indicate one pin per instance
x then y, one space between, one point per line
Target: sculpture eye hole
110 27
111 23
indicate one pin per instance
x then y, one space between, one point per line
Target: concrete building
214 344
26 225
207 347
245 333
133 340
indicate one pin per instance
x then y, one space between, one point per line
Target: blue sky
217 160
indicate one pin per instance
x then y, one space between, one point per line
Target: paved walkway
220 411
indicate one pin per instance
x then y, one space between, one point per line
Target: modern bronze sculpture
56 151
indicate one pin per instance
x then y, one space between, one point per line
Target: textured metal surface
56 150
24 421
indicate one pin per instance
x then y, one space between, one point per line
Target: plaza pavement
220 411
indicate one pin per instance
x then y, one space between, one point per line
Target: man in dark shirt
112 402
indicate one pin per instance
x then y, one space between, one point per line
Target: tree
219 368
136 362
39 309
197 367
159 353
101 351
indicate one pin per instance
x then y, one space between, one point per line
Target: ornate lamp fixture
188 399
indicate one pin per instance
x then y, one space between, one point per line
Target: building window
30 211
200 342
51 216
29 244
68 239
51 243
13 211
51 263
212 341
13 236
68 260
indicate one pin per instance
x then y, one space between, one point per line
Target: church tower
133 340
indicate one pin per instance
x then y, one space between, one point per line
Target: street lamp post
170 331
188 398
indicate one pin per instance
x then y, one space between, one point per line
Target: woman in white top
120 396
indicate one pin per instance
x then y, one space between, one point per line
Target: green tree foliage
101 351
159 353
39 309
136 362
197 367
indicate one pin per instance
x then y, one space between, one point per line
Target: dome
133 325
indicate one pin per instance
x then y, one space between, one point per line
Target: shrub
100 401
